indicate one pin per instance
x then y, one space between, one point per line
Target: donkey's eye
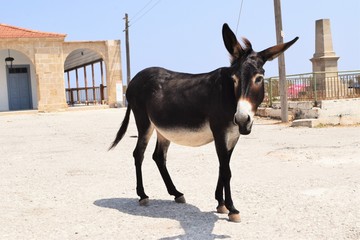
259 79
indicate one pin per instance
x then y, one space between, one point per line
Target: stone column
325 61
49 67
114 74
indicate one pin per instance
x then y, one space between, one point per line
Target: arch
21 60
98 47
85 77
26 49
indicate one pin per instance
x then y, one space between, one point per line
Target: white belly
188 137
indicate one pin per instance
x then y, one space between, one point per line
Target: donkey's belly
187 137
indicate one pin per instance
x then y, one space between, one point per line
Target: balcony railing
86 96
315 86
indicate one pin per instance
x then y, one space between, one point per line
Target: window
17 70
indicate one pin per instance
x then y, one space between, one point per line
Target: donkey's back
177 100
180 106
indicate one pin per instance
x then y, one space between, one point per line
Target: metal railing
315 86
86 96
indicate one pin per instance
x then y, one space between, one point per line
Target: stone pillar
49 67
114 74
325 61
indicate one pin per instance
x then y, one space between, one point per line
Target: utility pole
128 75
281 63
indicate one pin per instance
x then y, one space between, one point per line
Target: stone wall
330 112
342 111
114 74
49 68
47 57
110 52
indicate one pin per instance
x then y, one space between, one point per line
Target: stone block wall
114 74
331 112
110 52
47 57
341 111
49 68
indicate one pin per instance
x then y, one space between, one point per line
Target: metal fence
86 96
315 86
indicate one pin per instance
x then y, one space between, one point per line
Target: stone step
305 123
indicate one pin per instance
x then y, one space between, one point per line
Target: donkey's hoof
144 202
235 217
222 209
180 199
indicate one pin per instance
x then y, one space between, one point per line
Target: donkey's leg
219 192
145 130
219 196
159 157
224 155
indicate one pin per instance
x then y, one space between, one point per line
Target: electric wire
238 21
132 22
142 9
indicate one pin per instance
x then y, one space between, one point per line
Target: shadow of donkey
196 224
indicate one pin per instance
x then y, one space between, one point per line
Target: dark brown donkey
195 109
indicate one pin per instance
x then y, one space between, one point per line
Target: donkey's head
247 74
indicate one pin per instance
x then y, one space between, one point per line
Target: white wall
20 59
3 84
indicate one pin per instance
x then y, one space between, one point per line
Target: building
35 68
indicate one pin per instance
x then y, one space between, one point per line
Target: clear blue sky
186 35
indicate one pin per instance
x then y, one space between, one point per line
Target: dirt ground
58 181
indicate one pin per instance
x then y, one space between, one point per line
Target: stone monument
324 61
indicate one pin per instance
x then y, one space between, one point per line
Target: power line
238 21
132 22
136 14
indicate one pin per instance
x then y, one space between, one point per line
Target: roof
7 31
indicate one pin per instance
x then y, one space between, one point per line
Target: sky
186 35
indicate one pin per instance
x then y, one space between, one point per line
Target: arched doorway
85 78
18 84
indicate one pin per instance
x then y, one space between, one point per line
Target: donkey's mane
244 50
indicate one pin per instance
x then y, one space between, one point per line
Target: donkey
196 109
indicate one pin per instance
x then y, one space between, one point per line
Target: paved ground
57 181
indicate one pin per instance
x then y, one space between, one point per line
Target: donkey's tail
123 128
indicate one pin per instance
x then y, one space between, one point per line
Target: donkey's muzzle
244 116
245 122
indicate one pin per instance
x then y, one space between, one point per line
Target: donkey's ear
273 52
230 41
